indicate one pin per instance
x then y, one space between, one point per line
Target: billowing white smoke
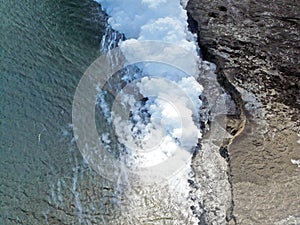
172 95
135 18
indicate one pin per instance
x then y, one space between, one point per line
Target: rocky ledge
256 47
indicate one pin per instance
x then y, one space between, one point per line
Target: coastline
254 46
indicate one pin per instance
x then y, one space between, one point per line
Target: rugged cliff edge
256 47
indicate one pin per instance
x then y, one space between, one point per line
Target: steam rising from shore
172 92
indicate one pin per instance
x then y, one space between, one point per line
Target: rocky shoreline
255 45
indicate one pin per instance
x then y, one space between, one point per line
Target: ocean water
45 48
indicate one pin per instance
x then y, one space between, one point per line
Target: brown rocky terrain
255 45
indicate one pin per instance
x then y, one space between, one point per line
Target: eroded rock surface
256 47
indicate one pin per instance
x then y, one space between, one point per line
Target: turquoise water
46 45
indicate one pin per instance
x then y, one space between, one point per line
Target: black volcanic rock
256 47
